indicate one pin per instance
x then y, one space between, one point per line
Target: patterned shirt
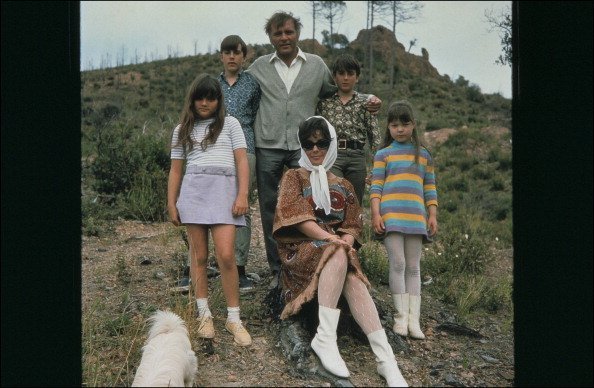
405 189
352 120
242 101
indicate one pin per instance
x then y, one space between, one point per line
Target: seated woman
317 223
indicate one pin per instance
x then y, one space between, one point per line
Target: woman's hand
341 241
348 238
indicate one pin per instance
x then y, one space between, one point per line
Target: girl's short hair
311 125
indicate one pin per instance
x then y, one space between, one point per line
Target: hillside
147 96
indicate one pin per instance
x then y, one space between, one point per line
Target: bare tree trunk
313 34
368 42
370 34
392 54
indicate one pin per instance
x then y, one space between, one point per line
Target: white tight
404 255
335 281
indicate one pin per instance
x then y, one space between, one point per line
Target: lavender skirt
207 195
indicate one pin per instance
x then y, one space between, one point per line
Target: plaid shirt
352 120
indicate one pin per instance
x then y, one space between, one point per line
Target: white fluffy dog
167 356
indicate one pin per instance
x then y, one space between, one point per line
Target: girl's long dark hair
403 111
203 86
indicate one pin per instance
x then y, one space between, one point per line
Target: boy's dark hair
230 43
311 125
278 20
346 62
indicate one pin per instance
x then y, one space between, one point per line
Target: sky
455 33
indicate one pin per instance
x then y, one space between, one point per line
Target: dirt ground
133 268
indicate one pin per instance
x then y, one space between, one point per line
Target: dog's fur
167 356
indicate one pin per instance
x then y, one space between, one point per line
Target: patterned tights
334 280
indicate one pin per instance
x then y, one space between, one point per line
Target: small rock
488 358
452 380
506 375
145 260
254 276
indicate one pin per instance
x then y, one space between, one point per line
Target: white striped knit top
219 154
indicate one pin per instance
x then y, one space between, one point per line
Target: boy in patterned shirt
346 111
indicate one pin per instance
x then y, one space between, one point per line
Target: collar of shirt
353 97
222 76
288 73
300 54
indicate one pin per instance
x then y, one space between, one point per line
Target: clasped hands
336 239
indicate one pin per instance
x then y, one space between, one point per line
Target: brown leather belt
343 144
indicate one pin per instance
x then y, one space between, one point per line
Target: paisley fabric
302 257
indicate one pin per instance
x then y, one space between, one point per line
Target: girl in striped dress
404 210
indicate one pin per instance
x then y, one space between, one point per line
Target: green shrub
122 154
374 261
434 125
147 198
474 94
481 172
497 184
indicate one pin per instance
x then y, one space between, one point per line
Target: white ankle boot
324 342
401 316
414 327
387 366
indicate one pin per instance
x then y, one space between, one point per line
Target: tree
332 11
315 7
371 5
502 23
338 40
395 12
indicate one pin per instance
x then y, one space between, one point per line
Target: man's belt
343 144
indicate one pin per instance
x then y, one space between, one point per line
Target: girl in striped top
213 194
404 209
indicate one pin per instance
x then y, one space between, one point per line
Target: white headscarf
318 177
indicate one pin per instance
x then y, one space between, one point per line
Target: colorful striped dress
405 189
